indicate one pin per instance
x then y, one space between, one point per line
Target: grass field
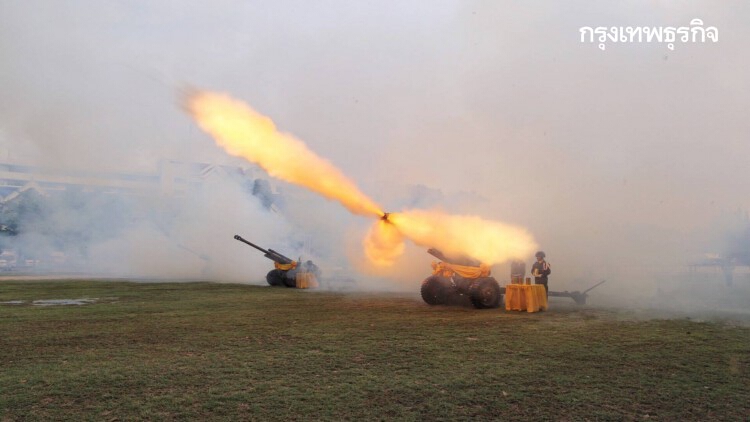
235 352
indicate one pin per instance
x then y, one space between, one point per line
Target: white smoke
619 162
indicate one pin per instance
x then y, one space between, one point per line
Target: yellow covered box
306 281
525 297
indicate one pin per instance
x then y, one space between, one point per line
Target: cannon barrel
241 239
578 297
268 253
463 260
594 286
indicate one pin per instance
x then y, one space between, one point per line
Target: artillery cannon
287 272
457 277
578 297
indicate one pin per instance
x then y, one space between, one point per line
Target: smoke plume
626 164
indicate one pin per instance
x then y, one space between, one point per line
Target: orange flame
383 243
243 132
490 242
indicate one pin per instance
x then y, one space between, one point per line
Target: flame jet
242 131
245 133
490 242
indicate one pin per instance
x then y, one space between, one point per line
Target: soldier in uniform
540 270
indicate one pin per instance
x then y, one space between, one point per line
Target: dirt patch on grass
59 302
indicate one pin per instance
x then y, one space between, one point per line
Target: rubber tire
485 293
435 290
275 278
289 280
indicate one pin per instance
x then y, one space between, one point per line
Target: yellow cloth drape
525 297
447 270
285 267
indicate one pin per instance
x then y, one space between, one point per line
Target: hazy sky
635 151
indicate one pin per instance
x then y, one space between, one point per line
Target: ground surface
235 352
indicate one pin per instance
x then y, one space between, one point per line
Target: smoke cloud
626 164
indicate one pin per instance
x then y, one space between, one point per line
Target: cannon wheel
289 280
485 293
435 290
275 278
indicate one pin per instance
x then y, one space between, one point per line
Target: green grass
236 352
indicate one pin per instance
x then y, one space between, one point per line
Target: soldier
540 270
